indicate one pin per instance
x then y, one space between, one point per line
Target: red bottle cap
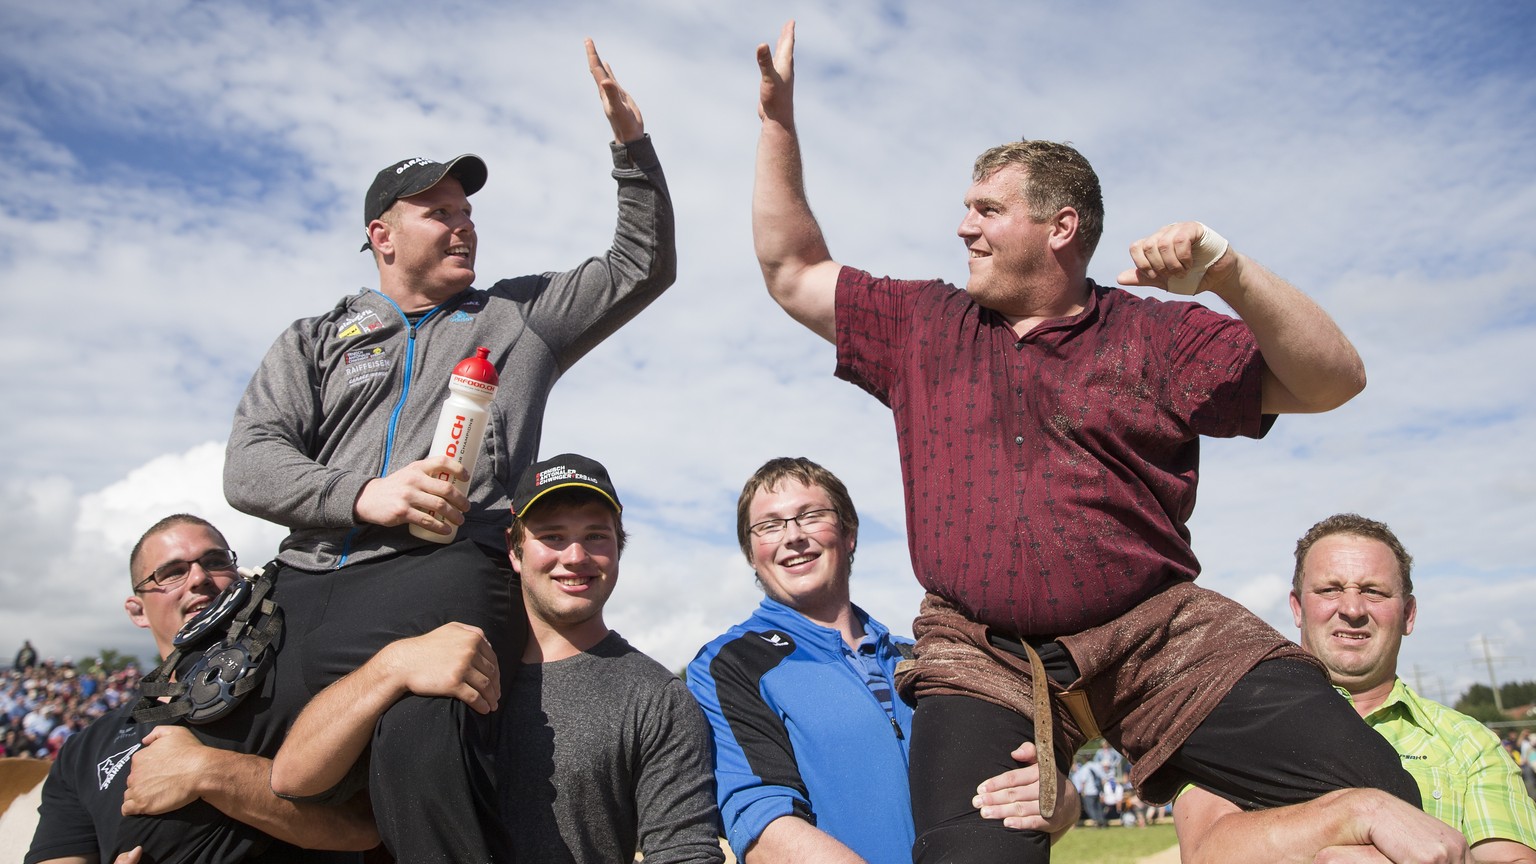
477 368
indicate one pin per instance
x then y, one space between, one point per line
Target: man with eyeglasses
174 793
810 737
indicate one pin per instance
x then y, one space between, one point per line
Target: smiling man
1352 598
809 733
183 793
332 435
1049 429
604 750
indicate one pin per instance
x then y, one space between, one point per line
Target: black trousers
432 773
1281 736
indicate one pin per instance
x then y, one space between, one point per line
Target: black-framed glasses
174 573
810 520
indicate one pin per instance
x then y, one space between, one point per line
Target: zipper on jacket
394 415
883 642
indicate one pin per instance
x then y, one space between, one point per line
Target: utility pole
1437 692
1493 682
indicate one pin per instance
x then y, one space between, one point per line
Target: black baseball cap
560 472
416 175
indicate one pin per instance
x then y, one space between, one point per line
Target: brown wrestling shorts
1149 677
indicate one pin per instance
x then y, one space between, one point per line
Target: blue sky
183 179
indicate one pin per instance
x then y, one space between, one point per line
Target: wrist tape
1207 250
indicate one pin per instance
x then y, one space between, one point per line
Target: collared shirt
1465 777
799 732
1048 479
866 661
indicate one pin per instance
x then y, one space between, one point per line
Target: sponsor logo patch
366 364
357 325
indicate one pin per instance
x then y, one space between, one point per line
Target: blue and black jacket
797 731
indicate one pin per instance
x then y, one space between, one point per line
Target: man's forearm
1314 366
1284 835
240 788
333 731
792 840
1211 830
1503 852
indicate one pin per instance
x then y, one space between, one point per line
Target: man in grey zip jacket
331 440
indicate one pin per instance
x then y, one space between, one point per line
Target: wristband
1207 250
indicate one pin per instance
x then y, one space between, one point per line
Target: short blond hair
1055 176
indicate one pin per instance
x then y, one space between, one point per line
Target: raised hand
776 92
619 107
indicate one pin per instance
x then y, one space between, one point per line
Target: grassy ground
1112 845
1092 845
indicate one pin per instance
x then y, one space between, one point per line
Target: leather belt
1076 702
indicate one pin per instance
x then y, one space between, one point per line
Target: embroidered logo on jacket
461 315
106 769
363 322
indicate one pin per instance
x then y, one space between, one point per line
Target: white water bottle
461 425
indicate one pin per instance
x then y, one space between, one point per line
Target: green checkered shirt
1464 775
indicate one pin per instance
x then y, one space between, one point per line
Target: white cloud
177 195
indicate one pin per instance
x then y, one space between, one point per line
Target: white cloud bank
182 180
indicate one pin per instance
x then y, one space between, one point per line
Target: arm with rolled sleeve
1499 818
763 790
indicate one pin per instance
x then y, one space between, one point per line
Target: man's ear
379 237
135 607
1063 228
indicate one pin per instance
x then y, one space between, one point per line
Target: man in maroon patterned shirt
1049 431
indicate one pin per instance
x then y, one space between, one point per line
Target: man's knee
421 723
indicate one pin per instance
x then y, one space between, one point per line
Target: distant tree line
1478 701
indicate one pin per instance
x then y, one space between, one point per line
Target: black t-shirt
81 812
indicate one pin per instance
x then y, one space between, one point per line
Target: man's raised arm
1310 364
800 272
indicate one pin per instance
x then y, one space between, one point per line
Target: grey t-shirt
604 753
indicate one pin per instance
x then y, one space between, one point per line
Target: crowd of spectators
1103 783
43 702
1522 748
